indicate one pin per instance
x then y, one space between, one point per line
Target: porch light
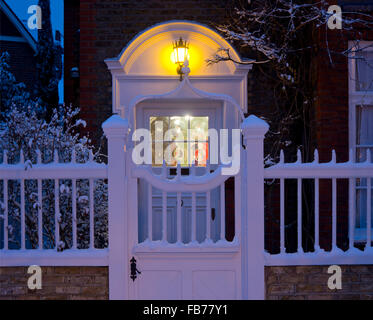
180 54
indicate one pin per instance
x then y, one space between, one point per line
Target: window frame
355 99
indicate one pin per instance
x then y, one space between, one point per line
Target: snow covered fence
20 235
359 176
25 187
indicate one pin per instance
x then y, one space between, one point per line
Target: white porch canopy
144 67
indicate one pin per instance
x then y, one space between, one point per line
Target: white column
116 131
253 130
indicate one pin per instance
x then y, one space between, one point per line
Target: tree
24 130
11 92
24 133
285 39
48 62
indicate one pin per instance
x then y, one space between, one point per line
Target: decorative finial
185 69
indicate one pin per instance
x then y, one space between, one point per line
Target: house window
364 70
181 139
361 122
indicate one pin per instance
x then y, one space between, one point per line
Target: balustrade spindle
222 211
334 213
194 227
369 212
369 203
317 220
178 204
150 212
208 215
352 212
40 215
299 213
23 227
282 216
164 215
56 212
74 218
5 197
91 214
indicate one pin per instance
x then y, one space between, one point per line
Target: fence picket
282 216
57 214
91 214
40 215
334 213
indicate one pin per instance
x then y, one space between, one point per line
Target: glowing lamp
180 54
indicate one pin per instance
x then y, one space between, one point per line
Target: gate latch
134 270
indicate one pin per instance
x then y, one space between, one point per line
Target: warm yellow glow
180 51
196 57
181 54
178 55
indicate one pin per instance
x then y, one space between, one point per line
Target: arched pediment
149 53
144 67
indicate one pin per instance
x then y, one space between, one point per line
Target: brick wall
290 282
58 283
310 283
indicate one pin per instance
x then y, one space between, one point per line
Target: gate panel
182 253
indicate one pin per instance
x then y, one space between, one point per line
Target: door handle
134 270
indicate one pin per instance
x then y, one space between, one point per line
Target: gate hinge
134 270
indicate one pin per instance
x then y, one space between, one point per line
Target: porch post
253 130
116 131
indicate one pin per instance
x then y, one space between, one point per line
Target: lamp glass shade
180 52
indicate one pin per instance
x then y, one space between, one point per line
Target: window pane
179 153
198 153
361 206
364 130
199 128
179 126
364 71
160 124
158 149
177 145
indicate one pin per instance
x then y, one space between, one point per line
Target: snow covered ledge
51 257
350 257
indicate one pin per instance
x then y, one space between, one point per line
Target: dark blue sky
20 8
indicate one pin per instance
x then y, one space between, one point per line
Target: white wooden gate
199 266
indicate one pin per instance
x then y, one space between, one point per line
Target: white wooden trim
50 257
351 257
116 131
12 39
54 171
253 130
320 170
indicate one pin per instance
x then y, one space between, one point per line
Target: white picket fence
250 202
27 171
315 171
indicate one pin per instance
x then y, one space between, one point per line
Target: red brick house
337 122
208 244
